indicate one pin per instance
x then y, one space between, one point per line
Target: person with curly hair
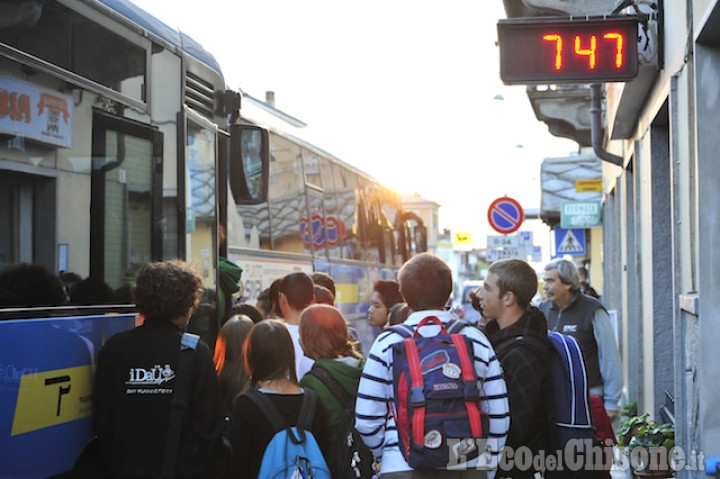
137 374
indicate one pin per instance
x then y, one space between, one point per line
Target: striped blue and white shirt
374 415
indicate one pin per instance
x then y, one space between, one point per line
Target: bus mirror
249 163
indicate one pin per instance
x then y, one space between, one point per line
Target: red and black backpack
437 396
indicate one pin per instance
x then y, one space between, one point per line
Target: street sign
569 241
495 241
520 251
527 237
589 186
508 252
505 215
462 238
580 214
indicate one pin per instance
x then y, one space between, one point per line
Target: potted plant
647 444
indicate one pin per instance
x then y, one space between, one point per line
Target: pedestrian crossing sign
569 241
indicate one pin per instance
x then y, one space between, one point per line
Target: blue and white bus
120 144
319 214
114 147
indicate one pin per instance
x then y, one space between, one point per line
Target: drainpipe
597 126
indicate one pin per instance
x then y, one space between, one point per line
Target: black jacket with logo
134 382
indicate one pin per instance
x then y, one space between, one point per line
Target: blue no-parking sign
505 215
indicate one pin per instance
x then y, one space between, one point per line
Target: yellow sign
585 186
462 239
54 397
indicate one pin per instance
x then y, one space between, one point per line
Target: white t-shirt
303 364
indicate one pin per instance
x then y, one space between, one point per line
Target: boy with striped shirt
426 284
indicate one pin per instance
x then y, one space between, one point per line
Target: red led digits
588 52
618 46
554 50
558 48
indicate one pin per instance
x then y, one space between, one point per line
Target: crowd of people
26 284
280 346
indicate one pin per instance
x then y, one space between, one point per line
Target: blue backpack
570 392
437 400
293 452
567 396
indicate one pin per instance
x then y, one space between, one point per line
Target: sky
403 90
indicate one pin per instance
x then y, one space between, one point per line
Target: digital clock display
556 50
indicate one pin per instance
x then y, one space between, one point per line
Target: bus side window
420 238
413 234
345 189
249 163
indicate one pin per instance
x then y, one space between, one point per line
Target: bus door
197 180
126 198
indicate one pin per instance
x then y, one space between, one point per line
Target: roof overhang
559 177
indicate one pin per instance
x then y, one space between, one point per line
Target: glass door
200 196
126 197
198 181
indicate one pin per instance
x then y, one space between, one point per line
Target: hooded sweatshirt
229 275
347 372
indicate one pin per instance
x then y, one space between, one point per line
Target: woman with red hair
233 377
325 337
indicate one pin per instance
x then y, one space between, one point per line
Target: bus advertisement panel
46 385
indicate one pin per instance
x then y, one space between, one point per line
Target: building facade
661 205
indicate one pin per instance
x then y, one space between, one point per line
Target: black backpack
350 458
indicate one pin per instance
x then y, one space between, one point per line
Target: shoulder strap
332 384
502 348
455 326
403 330
273 414
471 389
188 343
269 410
451 327
529 341
307 410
